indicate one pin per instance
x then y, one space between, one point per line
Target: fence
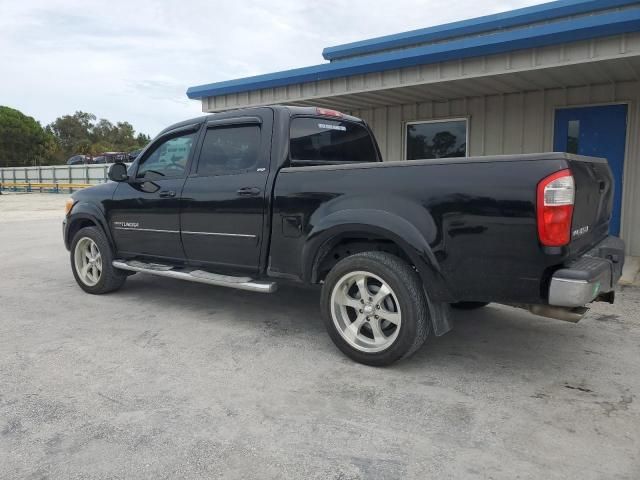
52 178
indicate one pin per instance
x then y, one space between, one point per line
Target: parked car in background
106 157
79 160
134 154
113 157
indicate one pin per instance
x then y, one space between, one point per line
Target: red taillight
556 196
326 112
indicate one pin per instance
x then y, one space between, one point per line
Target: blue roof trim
542 35
513 18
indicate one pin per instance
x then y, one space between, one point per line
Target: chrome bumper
588 277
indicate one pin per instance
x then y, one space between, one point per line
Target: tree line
25 142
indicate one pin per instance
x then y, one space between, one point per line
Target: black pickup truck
256 197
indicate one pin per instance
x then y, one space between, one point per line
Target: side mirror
118 172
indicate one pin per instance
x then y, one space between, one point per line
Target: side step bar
200 276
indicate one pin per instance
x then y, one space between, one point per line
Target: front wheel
374 308
91 262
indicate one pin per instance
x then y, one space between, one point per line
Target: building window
436 139
573 136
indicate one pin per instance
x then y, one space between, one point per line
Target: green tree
23 141
53 154
103 132
125 136
72 132
142 139
80 133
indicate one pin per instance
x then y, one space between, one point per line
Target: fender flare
87 211
382 224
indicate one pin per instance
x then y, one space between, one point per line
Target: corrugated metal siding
520 123
509 99
527 69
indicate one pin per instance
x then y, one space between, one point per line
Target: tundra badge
580 231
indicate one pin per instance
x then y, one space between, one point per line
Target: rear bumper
590 276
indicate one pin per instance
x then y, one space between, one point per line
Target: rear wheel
374 308
91 262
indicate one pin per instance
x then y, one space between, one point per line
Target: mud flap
440 313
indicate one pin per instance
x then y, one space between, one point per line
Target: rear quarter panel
593 202
476 215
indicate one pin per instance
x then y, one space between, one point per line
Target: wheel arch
86 215
380 230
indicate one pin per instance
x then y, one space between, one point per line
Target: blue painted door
597 132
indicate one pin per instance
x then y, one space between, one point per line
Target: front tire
374 308
91 262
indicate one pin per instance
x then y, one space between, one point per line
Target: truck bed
477 214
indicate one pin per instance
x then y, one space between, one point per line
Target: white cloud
125 60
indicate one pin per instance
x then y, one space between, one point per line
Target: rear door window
322 141
229 149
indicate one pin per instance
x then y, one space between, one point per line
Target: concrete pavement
166 379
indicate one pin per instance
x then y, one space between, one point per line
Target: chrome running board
200 276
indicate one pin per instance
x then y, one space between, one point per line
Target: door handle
167 194
249 191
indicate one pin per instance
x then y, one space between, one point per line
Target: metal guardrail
55 178
51 187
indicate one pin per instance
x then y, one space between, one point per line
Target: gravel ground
31 206
166 379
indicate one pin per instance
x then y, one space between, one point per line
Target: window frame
150 150
260 165
291 163
467 124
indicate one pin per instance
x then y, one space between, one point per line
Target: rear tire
469 305
91 262
374 308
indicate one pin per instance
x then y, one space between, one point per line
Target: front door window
168 159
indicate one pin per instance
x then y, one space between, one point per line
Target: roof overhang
607 60
501 21
543 35
610 72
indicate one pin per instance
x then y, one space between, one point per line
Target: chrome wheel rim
88 261
366 311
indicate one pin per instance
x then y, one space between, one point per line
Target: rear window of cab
327 141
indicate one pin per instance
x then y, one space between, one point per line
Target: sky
133 60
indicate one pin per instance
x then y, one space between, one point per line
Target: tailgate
593 201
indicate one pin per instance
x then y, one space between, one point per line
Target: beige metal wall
521 123
600 60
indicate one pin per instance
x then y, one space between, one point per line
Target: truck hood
102 191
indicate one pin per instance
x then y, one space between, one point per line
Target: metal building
561 76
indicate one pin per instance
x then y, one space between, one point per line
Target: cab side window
168 159
229 149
